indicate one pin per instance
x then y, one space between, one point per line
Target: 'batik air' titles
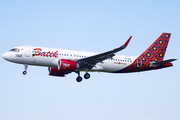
37 52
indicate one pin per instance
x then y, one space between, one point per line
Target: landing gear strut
79 78
25 67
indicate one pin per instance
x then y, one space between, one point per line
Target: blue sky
97 26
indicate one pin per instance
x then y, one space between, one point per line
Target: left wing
90 62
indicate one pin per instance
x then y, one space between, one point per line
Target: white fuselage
49 57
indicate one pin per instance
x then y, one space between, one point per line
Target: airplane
61 62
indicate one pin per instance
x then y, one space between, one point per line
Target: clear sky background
97 26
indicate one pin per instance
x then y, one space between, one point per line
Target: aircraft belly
112 66
44 62
38 61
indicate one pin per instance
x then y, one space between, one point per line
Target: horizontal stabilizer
162 62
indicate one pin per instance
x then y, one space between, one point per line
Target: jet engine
53 71
67 65
64 67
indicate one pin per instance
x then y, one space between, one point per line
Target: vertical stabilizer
156 52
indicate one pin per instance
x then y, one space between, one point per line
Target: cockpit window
14 50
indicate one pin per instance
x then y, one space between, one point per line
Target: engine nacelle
55 72
67 65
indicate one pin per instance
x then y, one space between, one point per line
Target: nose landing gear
25 67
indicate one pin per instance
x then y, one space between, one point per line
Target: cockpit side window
14 50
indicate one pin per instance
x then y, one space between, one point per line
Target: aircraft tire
87 76
24 72
79 79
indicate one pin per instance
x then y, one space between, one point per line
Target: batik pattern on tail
155 53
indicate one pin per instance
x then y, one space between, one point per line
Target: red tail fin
156 52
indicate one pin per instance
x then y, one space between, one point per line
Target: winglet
127 42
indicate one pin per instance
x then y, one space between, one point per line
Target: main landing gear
86 75
79 78
25 67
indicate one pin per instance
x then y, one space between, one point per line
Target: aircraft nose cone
5 56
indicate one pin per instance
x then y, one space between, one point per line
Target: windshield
14 50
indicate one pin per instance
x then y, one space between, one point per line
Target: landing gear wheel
24 72
87 76
25 67
79 79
